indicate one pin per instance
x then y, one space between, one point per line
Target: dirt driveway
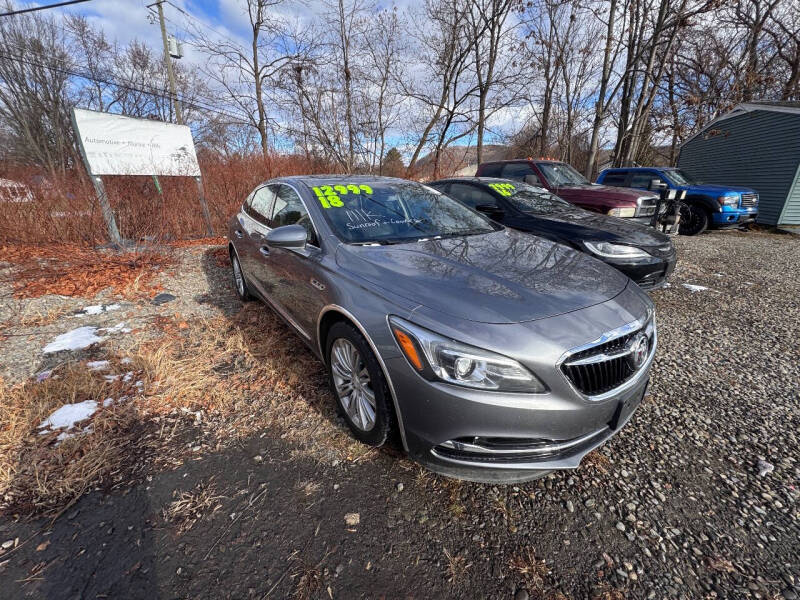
214 466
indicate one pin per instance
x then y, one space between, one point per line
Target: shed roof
746 107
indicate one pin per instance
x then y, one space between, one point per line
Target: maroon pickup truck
564 181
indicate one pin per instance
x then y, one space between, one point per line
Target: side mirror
656 184
532 180
288 236
491 210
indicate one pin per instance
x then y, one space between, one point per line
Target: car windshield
561 174
530 199
382 212
678 177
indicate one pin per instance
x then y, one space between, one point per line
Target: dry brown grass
233 377
456 567
189 507
532 571
39 474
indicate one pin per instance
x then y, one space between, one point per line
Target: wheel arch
333 313
706 202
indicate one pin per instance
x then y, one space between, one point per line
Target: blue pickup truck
705 205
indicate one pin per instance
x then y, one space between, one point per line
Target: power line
131 88
45 7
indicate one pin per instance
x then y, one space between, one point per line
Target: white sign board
119 145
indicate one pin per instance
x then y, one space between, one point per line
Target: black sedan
645 255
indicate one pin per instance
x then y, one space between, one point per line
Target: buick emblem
638 353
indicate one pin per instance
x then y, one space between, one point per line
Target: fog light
463 367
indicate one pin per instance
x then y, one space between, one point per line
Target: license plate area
624 409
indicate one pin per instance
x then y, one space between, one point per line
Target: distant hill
460 160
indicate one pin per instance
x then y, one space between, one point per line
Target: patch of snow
97 365
82 337
126 361
112 377
694 288
108 402
96 309
128 376
65 435
40 377
118 328
69 414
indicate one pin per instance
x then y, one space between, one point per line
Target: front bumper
511 437
649 273
734 217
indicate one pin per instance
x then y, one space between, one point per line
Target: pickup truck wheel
694 219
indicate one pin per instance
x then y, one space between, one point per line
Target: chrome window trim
335 307
649 321
302 200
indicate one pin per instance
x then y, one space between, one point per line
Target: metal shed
755 145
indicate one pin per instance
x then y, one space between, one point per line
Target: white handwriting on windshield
383 222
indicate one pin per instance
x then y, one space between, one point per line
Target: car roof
640 169
517 160
315 179
472 179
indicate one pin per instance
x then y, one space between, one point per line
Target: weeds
533 571
190 507
457 567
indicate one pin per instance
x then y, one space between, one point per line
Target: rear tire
357 382
694 219
239 281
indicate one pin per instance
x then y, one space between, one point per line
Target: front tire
358 384
694 219
239 282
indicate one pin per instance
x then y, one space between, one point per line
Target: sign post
118 145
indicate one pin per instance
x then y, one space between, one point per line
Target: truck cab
705 205
564 181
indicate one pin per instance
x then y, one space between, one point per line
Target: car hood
603 192
499 277
715 190
578 224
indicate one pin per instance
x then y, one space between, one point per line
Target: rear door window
615 178
517 171
471 195
642 180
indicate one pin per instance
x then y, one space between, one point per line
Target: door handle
264 251
238 233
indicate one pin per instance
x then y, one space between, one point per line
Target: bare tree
242 72
35 93
444 49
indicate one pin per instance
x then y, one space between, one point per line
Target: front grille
605 366
749 200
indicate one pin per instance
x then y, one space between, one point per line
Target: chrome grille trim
749 200
581 372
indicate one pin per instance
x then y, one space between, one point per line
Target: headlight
729 200
436 357
609 250
622 212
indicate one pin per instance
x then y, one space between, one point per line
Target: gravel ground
696 498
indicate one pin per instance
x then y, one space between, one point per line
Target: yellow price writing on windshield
328 195
504 189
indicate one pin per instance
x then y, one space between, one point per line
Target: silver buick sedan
494 355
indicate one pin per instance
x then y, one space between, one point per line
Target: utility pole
168 60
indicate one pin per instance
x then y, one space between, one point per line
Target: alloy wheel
353 385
